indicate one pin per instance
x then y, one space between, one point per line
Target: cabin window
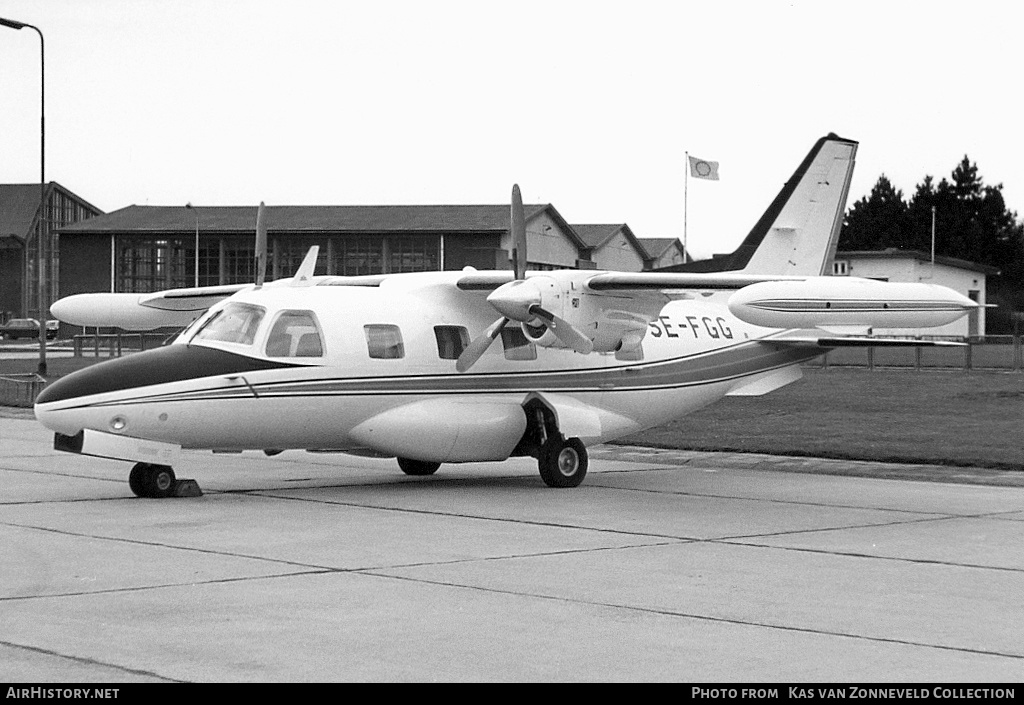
235 323
517 347
295 334
451 341
384 342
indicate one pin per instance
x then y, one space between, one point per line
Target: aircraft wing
190 299
812 339
667 281
625 282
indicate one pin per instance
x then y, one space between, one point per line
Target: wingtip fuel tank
848 301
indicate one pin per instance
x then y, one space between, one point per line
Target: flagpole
686 199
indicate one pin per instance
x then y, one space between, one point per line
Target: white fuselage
415 404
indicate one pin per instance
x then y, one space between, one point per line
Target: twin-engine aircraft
411 366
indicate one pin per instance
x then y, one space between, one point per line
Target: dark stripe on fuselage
729 363
174 363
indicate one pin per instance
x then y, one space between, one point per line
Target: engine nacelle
561 296
611 332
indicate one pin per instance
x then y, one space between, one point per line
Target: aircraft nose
173 363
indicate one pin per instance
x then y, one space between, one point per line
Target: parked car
28 328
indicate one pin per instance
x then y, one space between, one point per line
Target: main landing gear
563 462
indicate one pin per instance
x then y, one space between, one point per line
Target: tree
877 221
971 220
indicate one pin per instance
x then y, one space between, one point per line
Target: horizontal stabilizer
765 382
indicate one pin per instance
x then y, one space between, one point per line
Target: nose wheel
417 467
153 481
563 462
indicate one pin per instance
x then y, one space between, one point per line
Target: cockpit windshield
235 323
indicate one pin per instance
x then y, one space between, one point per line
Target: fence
20 389
992 353
114 344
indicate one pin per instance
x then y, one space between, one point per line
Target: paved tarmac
663 566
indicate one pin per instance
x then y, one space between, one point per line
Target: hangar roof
657 246
19 204
597 236
307 218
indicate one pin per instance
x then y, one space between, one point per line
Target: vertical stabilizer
799 232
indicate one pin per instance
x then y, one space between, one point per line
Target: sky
591 106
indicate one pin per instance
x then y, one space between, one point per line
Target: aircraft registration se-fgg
409 365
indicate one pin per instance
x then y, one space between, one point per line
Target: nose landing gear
158 481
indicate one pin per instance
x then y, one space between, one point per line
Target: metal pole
196 211
933 242
43 230
686 198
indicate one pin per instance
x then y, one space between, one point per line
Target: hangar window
451 341
517 347
295 334
384 342
235 323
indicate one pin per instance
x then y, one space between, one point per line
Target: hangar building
149 248
20 223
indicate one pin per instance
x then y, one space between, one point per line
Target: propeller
479 346
518 234
520 300
564 331
261 245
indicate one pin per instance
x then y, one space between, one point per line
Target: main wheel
417 467
563 463
148 480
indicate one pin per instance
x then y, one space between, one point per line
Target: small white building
894 265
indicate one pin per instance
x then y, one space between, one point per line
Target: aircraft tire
563 463
137 479
417 467
153 481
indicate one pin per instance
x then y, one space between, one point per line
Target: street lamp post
196 211
41 243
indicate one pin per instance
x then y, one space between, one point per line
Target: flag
701 169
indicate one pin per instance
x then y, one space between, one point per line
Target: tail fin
799 232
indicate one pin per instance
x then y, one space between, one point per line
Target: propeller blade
479 346
518 234
564 330
261 246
